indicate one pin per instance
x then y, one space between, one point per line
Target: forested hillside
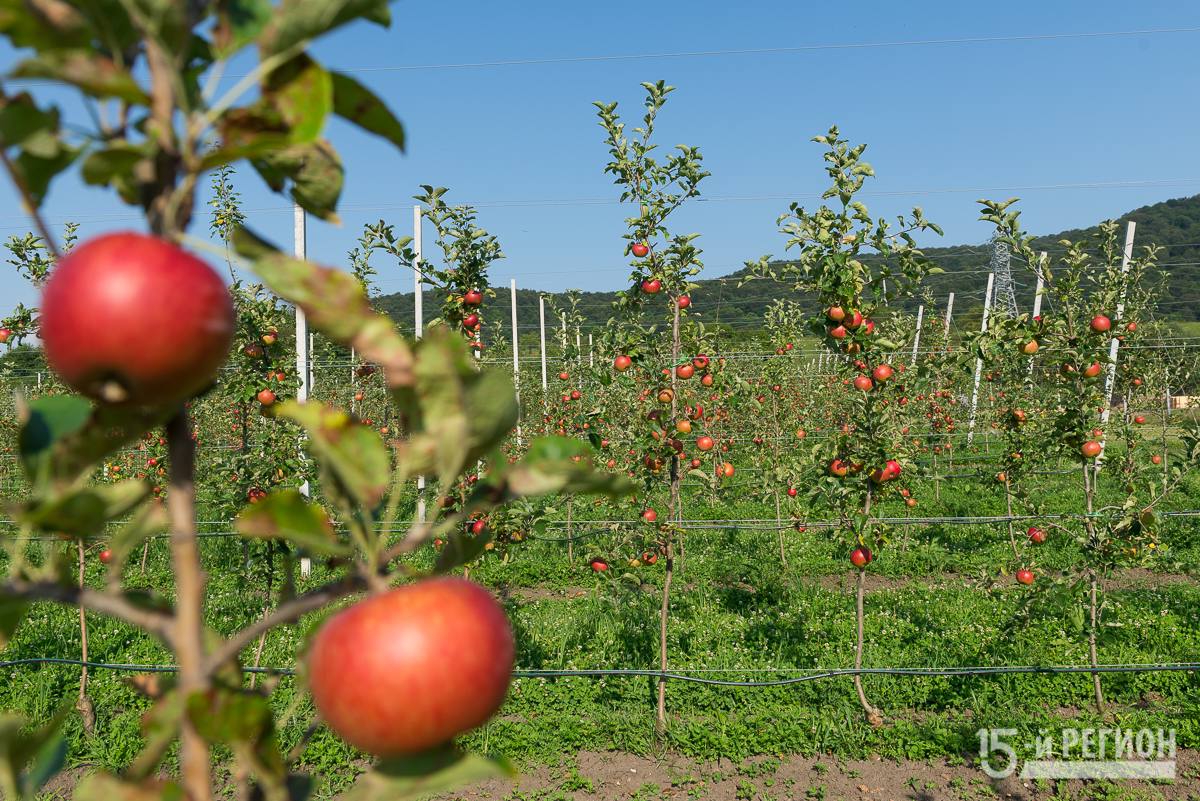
1174 225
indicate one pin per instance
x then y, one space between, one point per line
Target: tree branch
288 612
117 606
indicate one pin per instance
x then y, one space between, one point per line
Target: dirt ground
623 777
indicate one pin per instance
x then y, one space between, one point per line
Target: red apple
599 565
1036 534
266 397
1092 370
1025 575
684 301
1029 348
685 370
650 515
106 556
473 298
651 286
622 363
882 372
861 557
863 383
1100 324
379 671
5 333
1090 449
640 249
838 332
128 318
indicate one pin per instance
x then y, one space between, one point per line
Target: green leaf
460 548
355 455
424 775
104 787
315 171
239 22
92 73
12 612
62 437
22 121
20 745
288 515
335 303
465 412
26 26
549 466
149 520
302 91
83 512
222 715
48 420
297 22
37 171
358 104
114 166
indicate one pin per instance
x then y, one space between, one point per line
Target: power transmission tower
1004 299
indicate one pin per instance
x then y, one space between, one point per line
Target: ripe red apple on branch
379 671
103 300
640 249
622 363
1100 324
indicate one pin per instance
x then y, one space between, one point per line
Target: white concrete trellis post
949 311
1114 343
300 248
542 338
591 352
418 327
987 307
516 354
1037 296
917 338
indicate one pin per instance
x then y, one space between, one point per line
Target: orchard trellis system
833 415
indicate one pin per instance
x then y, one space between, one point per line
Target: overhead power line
756 51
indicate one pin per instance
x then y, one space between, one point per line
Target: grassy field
936 599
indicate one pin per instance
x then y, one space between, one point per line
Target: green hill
1173 224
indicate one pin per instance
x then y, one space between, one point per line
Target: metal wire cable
686 674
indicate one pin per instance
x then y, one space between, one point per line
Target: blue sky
522 141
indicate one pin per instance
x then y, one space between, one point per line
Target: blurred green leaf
149 520
297 22
12 611
62 436
83 512
91 72
289 516
354 455
424 775
315 171
335 303
358 104
239 22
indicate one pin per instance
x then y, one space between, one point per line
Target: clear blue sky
980 116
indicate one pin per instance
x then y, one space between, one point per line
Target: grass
736 613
